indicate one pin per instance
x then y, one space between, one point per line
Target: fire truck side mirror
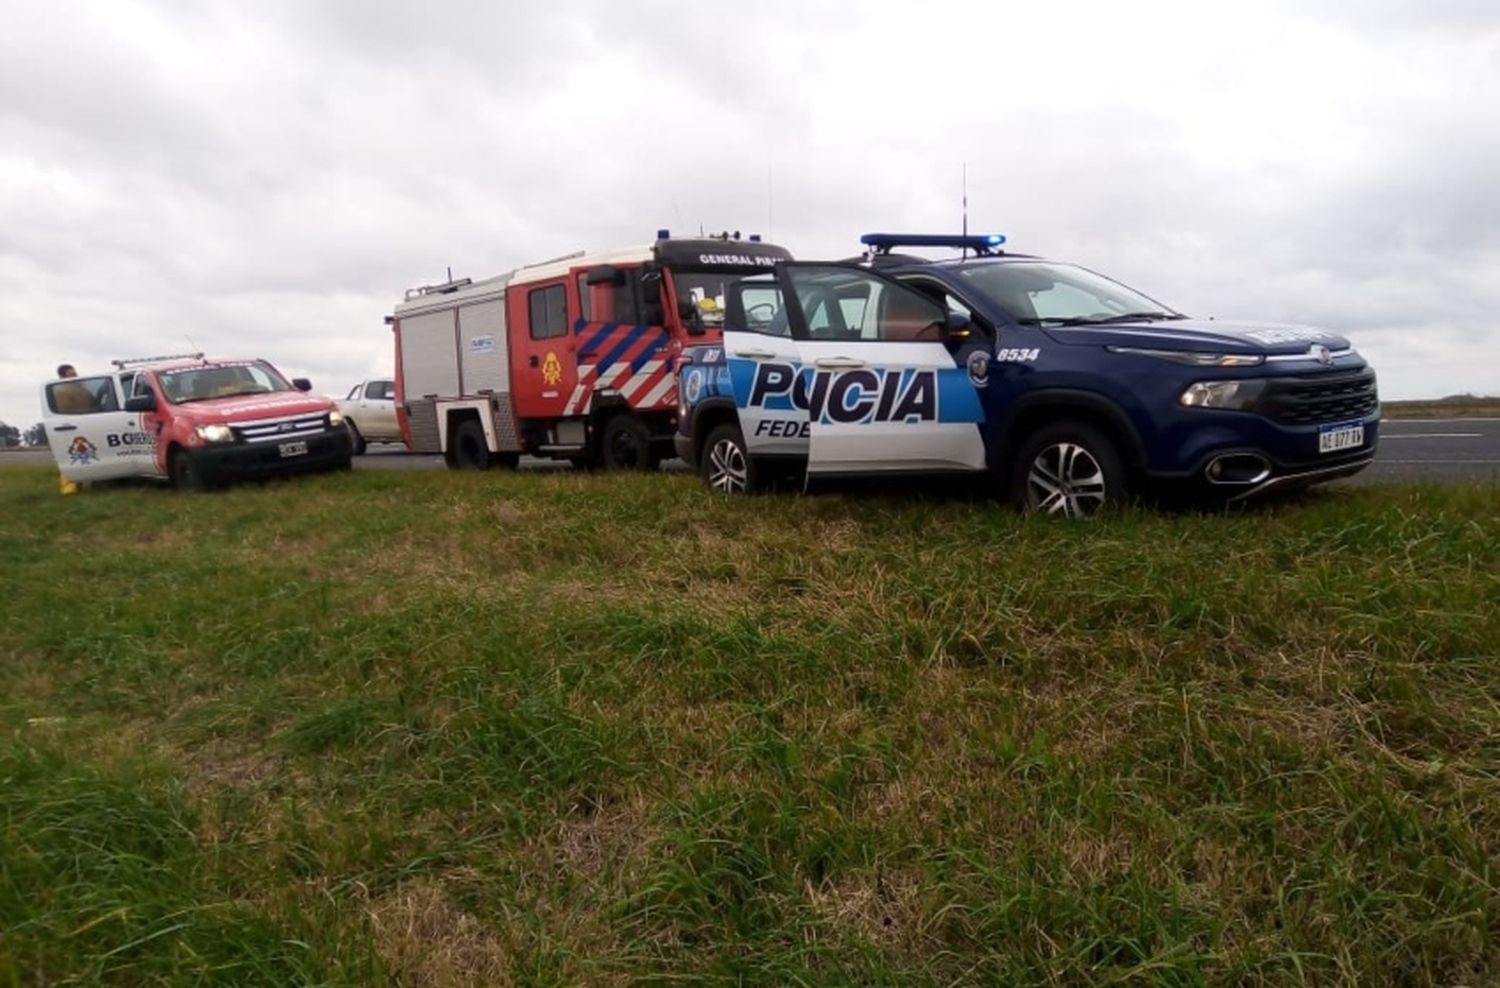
605 274
692 319
652 313
301 384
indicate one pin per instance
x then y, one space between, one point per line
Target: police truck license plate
292 449
1341 436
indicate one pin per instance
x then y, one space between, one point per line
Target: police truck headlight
216 433
1222 394
335 419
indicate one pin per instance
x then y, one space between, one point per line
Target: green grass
549 729
1441 408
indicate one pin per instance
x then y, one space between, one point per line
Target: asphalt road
1442 450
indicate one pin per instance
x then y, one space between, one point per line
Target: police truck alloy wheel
1071 470
726 466
626 445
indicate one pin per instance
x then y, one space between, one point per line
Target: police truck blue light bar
882 243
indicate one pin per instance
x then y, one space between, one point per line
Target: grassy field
546 729
1475 407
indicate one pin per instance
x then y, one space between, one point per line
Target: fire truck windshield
211 381
705 289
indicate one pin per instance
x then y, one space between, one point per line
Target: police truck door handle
838 362
64 428
756 354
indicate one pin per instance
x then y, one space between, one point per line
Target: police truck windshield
1041 294
220 381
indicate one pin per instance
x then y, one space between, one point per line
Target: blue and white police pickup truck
1071 390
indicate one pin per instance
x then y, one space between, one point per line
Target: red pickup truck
197 422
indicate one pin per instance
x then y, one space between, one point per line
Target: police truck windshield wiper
1099 320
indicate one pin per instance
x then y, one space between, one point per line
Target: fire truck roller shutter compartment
429 366
485 357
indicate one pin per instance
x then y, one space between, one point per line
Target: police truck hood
1200 335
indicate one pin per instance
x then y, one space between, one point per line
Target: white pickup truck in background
370 411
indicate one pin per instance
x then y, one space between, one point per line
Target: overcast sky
267 178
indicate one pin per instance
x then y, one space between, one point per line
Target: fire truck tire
626 445
725 465
470 448
357 439
187 476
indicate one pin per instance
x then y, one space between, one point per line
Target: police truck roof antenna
965 187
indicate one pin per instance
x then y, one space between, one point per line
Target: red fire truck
571 358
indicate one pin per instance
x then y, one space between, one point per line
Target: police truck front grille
280 430
1324 398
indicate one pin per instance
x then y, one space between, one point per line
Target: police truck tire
471 450
357 439
185 473
725 464
1069 469
626 445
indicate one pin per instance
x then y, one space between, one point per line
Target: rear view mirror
301 384
141 403
692 319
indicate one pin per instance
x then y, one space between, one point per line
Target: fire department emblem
551 369
81 452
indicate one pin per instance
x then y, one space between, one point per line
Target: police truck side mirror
141 403
301 384
956 326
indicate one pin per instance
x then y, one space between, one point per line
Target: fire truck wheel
359 440
471 450
726 465
626 445
186 475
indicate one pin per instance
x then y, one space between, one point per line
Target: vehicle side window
353 393
380 390
849 304
756 305
141 387
585 298
628 299
82 396
549 312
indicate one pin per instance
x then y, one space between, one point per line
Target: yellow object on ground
66 486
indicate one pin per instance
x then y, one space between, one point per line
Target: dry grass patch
428 942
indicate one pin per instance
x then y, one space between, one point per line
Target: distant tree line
12 436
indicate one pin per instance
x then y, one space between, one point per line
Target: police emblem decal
979 368
692 385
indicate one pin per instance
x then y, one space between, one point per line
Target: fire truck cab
572 358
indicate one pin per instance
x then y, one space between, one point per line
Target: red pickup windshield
212 381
